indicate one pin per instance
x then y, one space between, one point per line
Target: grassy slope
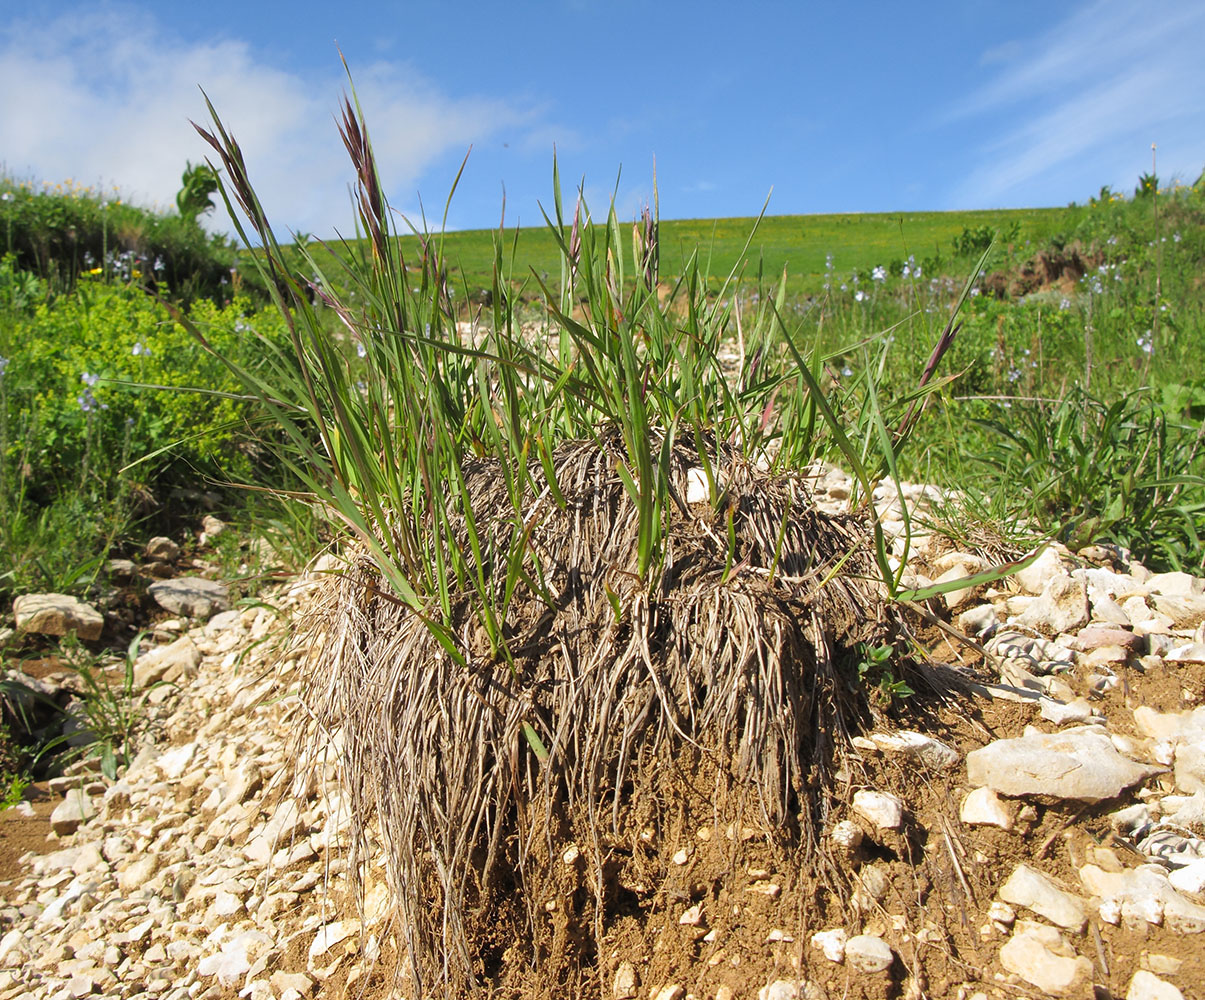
799 242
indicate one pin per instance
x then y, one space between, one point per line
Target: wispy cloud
1083 101
103 95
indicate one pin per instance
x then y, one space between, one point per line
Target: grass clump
584 585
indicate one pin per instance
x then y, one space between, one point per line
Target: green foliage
974 240
111 711
14 778
875 671
92 383
382 423
1148 186
1120 472
20 290
194 198
62 232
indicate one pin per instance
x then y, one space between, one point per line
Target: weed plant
107 717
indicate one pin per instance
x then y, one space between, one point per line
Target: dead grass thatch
728 681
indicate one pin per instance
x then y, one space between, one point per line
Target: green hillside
798 242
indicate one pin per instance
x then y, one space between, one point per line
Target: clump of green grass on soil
580 558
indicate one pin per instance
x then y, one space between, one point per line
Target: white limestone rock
1041 956
1036 891
868 953
57 614
983 807
882 809
1079 763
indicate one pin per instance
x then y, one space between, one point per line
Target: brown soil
1048 270
21 834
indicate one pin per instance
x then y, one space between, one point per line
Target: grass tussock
730 663
586 588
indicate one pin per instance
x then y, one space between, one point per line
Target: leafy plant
1121 472
199 184
111 711
875 670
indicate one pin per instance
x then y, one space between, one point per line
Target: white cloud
1080 105
104 95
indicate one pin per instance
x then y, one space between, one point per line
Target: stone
1144 895
229 965
1033 578
162 549
1186 611
1161 965
1061 607
121 570
780 989
983 807
57 614
138 873
173 763
223 621
846 836
1041 956
1176 584
1190 878
626 984
1062 714
882 809
697 490
1190 765
671 992
169 663
979 620
955 599
192 596
929 750
1191 652
75 809
1168 725
1079 763
832 943
1035 891
868 953
1095 636
1001 913
211 527
1147 986
330 935
281 981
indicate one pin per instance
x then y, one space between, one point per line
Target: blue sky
837 107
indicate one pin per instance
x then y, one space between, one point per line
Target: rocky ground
1039 834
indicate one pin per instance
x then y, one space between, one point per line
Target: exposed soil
21 832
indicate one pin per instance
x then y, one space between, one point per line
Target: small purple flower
3 366
140 349
89 379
